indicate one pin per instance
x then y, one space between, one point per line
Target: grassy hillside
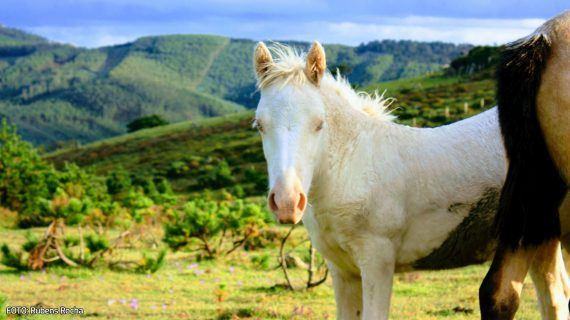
183 152
56 92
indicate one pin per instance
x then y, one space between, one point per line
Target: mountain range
57 92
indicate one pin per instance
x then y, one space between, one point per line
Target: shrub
203 220
146 122
157 189
12 259
25 178
151 265
31 242
96 243
216 176
177 169
118 181
262 262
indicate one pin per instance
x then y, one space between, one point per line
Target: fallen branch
321 281
239 243
51 241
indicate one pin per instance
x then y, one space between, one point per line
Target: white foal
384 197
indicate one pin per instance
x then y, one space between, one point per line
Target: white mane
288 67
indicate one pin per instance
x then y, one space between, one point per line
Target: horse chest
332 235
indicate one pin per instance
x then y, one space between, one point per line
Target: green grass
422 82
186 291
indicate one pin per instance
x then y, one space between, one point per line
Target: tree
25 179
146 122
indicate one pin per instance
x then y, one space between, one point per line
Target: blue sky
93 23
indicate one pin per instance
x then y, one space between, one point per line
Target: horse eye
320 126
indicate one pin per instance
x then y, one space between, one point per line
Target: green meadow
233 288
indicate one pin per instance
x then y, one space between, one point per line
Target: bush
96 243
25 178
177 169
215 176
157 189
146 122
31 242
203 220
151 265
118 181
262 262
12 259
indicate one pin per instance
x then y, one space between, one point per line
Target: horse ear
262 60
316 63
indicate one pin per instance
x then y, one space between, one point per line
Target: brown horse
533 96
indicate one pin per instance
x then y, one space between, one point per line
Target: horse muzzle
287 201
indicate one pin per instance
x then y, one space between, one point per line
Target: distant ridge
10 36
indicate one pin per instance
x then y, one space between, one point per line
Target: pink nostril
272 204
302 201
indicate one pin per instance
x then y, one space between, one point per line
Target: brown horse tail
534 187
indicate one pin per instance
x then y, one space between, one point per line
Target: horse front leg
550 280
347 293
377 263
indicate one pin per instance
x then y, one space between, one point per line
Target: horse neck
349 144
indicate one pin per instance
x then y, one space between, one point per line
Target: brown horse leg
550 280
499 294
565 227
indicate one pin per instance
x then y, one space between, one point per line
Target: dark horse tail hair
534 187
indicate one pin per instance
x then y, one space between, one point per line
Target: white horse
383 197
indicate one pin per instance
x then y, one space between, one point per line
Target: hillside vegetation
55 92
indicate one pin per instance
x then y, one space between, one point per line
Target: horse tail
534 187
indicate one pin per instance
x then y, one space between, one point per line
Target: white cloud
421 28
474 31
103 40
87 36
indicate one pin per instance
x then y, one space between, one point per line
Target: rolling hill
55 92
